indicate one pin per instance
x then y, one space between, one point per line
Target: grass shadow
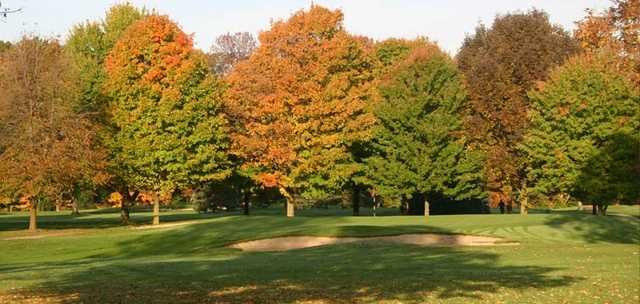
620 229
99 220
201 270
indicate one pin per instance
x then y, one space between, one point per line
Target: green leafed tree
89 43
391 51
418 147
170 132
584 136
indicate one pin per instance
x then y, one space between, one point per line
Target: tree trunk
290 205
355 200
127 201
523 208
245 199
57 208
594 209
290 208
33 214
602 209
404 206
74 207
156 209
374 205
124 212
524 205
524 199
75 210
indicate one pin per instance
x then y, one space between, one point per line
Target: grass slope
564 257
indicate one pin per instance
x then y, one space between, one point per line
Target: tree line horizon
525 114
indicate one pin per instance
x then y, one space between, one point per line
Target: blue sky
445 21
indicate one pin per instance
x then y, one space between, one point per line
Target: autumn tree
501 64
298 104
4 45
390 52
88 45
419 148
229 49
615 31
166 108
46 145
584 137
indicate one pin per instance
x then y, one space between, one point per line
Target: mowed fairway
563 257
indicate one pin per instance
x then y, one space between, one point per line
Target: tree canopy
311 113
299 101
616 30
89 43
229 49
166 107
418 147
585 122
501 64
46 147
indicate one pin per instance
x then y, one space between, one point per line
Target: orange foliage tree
300 102
616 29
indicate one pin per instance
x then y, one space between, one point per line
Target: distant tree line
526 114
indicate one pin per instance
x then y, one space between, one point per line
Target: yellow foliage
115 198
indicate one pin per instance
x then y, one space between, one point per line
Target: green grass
564 257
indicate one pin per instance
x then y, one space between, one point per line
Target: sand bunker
298 242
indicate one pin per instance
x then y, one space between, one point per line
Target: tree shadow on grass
346 273
598 229
89 220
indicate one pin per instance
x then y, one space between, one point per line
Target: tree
583 141
387 54
166 107
501 64
612 174
616 29
88 45
46 146
299 102
229 49
391 51
4 45
418 146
